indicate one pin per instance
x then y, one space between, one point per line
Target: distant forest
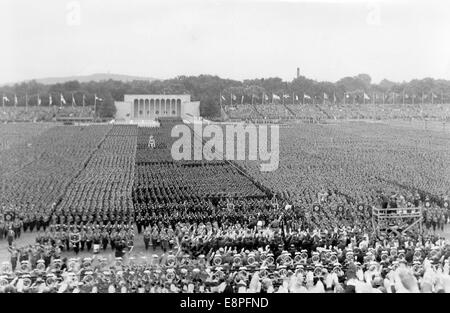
208 90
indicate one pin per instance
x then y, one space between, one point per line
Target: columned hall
152 107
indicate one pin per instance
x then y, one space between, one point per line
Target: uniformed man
89 238
147 237
26 220
105 239
45 221
10 236
32 222
139 223
75 240
155 238
83 237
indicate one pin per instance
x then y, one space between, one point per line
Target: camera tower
397 221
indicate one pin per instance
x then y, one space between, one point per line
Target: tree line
208 90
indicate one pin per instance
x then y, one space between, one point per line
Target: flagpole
393 98
220 99
364 98
3 101
26 102
231 99
432 98
95 104
293 98
344 97
403 98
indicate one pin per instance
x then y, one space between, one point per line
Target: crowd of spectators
42 114
280 256
328 110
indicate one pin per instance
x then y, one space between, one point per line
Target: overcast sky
398 40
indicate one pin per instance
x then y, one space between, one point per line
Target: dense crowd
42 114
36 173
263 260
356 163
86 188
321 111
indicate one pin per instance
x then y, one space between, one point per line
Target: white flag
306 96
266 97
366 97
98 99
5 98
233 97
38 100
73 101
63 101
275 97
285 96
223 98
296 97
50 100
15 100
325 96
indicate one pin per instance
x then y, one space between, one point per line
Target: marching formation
220 226
264 258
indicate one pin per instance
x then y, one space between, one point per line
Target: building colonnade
153 108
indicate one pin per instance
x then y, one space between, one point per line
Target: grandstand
319 112
45 114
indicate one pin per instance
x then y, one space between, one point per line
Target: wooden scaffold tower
397 221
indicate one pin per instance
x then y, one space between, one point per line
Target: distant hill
87 78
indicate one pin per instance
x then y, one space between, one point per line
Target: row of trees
207 89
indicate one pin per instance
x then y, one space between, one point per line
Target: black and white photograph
225 147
